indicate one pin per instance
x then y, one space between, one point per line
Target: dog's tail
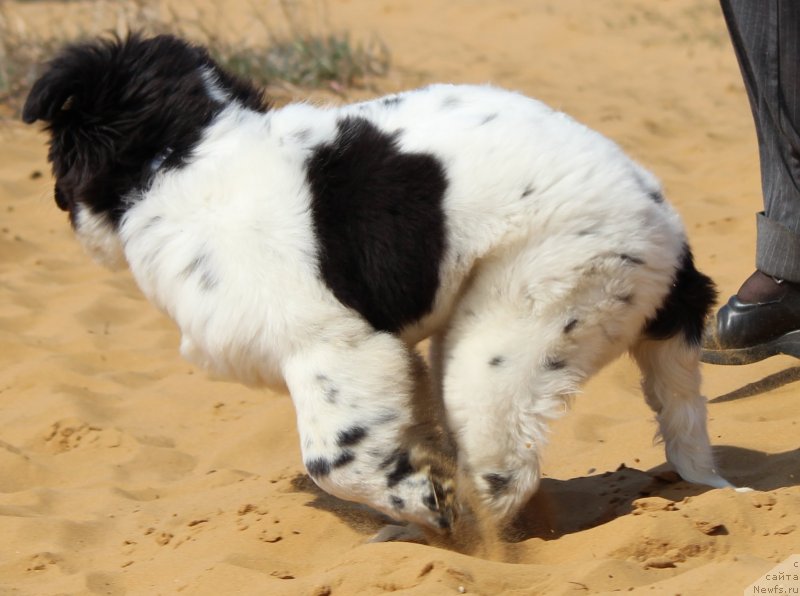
687 305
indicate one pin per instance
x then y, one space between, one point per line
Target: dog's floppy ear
70 77
50 94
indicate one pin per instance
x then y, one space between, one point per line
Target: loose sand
124 470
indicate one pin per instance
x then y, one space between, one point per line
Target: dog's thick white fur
558 255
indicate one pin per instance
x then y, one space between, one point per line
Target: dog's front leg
358 415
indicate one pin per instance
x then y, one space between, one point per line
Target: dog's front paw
421 489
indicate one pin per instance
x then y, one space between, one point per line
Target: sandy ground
123 470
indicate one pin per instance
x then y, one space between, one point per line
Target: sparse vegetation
301 50
308 61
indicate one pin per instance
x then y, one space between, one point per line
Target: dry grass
301 50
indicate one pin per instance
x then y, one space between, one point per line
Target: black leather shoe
743 333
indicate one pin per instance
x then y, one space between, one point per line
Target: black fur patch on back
686 306
379 221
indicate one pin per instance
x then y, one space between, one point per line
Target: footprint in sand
68 434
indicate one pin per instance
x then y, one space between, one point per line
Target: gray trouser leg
766 37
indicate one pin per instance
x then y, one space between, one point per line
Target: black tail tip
687 305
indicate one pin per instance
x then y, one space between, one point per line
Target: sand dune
125 471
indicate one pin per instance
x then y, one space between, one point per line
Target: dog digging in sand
314 247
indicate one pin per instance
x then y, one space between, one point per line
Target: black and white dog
314 247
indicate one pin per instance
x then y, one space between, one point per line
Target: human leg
763 318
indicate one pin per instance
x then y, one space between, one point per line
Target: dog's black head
119 109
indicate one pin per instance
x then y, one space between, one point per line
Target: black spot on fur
343 459
654 194
402 468
497 361
554 364
450 102
686 306
571 324
194 265
528 191
498 483
113 106
625 298
633 260
208 281
429 501
378 217
302 135
199 265
329 390
390 459
351 436
318 467
153 222
397 502
488 118
392 102
331 394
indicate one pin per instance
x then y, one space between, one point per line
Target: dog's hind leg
524 337
500 393
671 385
669 357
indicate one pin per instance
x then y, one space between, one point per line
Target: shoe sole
788 344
